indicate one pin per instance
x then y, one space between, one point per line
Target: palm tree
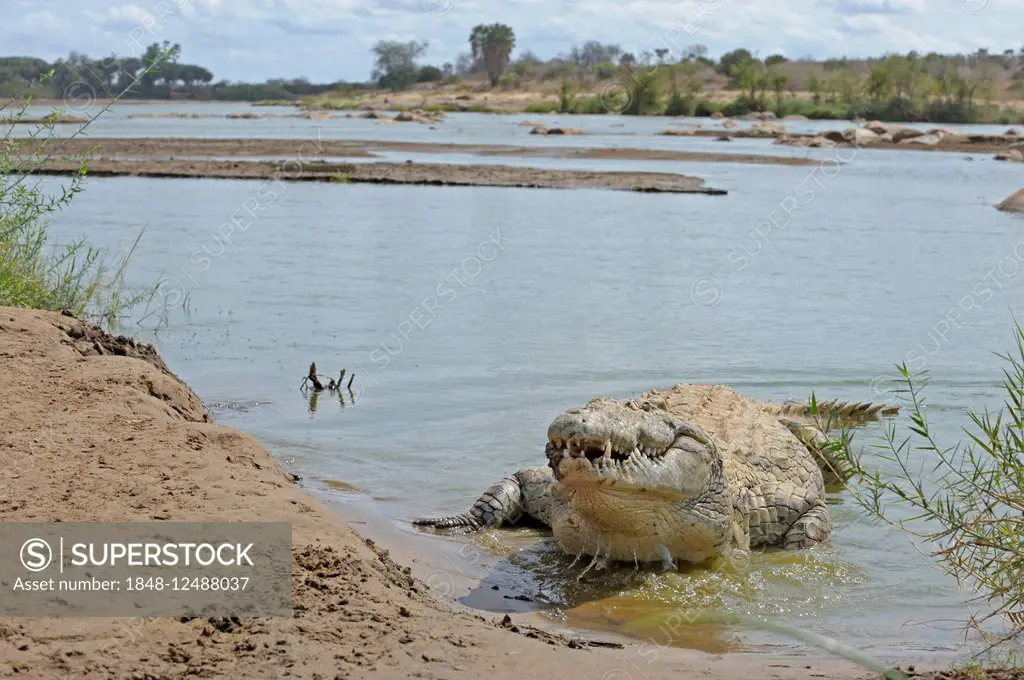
493 44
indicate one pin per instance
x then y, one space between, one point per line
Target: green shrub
706 107
542 107
590 105
681 105
605 70
34 272
966 501
643 90
741 106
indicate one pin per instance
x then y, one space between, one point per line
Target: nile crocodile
690 473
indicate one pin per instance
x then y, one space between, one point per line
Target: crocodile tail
500 504
835 412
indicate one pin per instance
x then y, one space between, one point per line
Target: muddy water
471 317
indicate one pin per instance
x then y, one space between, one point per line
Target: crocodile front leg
526 492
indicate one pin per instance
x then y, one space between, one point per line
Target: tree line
158 74
911 86
961 88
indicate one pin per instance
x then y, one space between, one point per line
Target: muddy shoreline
431 174
116 436
164 147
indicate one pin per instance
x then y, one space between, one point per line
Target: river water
472 316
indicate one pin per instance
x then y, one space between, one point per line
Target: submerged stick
332 385
317 385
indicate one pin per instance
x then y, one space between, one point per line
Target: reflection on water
684 607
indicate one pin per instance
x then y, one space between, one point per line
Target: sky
329 40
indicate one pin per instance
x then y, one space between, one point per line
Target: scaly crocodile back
756 447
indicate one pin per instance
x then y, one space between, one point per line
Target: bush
706 107
542 107
644 92
605 70
789 107
741 106
590 105
566 97
34 272
429 74
681 105
508 81
972 510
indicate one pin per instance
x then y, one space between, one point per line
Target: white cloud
878 6
128 14
41 21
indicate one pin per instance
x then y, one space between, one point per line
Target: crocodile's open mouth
632 448
599 453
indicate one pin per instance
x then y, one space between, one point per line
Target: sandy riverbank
434 174
96 428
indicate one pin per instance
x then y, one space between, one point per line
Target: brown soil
968 674
95 428
391 173
166 147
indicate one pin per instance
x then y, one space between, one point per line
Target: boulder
565 131
685 132
759 115
924 140
371 115
902 134
857 120
795 117
1013 203
1012 132
767 130
941 132
859 136
817 142
1015 155
729 124
723 138
418 116
833 136
876 126
717 115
